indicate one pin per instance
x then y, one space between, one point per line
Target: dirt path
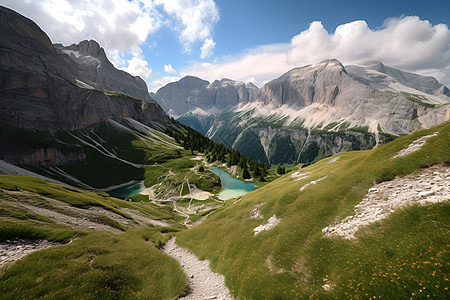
203 283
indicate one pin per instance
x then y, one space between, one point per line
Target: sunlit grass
100 265
412 243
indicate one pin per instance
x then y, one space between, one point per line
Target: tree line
191 139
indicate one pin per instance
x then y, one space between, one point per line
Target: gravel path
203 283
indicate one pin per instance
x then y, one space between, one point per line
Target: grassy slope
80 198
95 265
403 256
100 265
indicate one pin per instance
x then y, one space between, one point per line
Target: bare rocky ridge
39 85
94 69
203 283
46 91
192 94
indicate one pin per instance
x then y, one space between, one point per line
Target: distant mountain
322 109
66 112
192 94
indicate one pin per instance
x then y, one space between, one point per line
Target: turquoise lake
126 191
232 187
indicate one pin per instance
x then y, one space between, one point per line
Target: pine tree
279 170
246 174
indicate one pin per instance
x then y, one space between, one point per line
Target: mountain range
311 111
362 224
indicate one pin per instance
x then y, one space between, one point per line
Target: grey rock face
94 68
349 107
45 91
38 85
190 93
303 86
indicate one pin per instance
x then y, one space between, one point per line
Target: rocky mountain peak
305 85
191 93
88 48
38 82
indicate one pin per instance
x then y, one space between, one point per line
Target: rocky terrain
327 107
192 94
429 186
15 249
49 93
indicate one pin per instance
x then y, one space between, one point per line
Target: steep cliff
48 94
192 94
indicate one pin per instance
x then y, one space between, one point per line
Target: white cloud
122 26
406 43
169 69
207 48
194 19
137 65
160 82
115 24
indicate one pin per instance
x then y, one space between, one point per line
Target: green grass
77 198
392 259
418 99
99 265
18 228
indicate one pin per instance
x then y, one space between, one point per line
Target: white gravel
431 185
415 146
203 283
271 223
16 248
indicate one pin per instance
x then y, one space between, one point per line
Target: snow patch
255 213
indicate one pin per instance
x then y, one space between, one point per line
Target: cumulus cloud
121 26
207 48
406 43
194 19
169 69
137 65
403 42
115 24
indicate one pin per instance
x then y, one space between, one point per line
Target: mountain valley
348 169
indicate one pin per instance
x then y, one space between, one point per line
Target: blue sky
249 40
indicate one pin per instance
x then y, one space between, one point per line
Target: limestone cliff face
46 90
40 87
191 93
321 83
94 68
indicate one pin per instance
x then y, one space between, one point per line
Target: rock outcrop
192 94
40 87
53 96
327 106
96 70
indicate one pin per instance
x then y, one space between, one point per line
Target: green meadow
403 256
